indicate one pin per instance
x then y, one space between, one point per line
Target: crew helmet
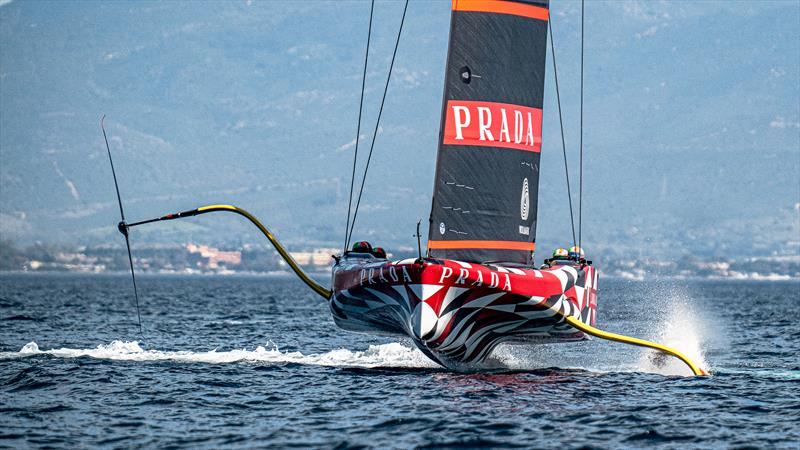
576 252
362 247
560 252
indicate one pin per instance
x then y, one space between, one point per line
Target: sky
691 127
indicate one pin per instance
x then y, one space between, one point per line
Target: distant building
317 257
215 256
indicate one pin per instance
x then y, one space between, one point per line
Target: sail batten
487 167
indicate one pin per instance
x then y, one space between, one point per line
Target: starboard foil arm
588 329
316 287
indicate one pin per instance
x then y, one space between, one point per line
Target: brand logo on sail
490 124
525 201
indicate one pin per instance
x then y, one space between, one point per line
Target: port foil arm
316 287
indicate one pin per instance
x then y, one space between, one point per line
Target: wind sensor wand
122 226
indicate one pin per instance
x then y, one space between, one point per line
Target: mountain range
691 122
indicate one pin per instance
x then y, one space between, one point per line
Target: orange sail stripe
502 7
501 245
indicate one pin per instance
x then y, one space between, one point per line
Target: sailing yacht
476 286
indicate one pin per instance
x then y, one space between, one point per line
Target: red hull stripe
492 124
497 245
502 7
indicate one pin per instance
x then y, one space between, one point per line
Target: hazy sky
692 127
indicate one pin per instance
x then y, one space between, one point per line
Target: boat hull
456 312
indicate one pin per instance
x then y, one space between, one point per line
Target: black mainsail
487 168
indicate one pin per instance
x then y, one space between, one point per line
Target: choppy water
244 362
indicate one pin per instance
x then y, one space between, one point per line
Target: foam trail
587 356
386 355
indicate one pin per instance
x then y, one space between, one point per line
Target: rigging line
377 123
580 170
358 128
561 122
122 226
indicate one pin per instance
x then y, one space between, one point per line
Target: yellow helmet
560 252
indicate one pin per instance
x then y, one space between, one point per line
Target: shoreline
772 277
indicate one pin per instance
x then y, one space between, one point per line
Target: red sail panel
487 168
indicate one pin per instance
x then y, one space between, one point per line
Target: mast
485 197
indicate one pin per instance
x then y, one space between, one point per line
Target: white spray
385 355
681 326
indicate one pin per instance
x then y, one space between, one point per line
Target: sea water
257 361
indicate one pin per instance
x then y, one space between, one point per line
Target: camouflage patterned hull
456 312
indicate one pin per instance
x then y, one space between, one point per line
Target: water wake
681 327
392 355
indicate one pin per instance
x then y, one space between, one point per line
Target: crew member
559 254
576 254
362 247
